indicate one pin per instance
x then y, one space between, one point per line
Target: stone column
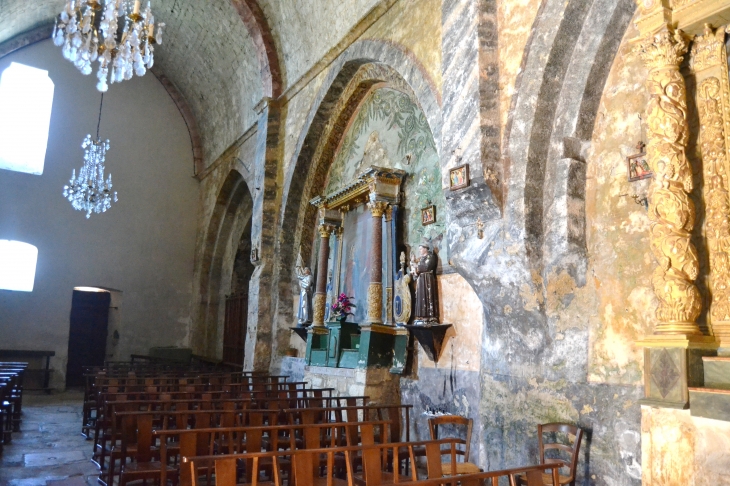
320 294
389 266
375 289
338 264
671 212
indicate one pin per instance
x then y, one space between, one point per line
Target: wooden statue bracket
431 337
300 331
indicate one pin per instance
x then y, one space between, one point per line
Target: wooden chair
455 421
569 449
143 465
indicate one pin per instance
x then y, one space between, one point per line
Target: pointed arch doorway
234 326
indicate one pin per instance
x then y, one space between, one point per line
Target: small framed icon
459 177
428 215
638 166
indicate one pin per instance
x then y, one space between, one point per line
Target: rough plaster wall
420 36
18 16
515 18
621 262
143 245
306 29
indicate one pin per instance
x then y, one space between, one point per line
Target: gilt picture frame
459 177
428 215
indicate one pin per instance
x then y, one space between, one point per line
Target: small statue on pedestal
424 271
306 286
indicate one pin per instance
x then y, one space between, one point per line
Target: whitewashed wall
143 246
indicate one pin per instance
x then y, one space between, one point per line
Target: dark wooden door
87 337
234 331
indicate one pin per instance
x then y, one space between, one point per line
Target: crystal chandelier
124 49
89 192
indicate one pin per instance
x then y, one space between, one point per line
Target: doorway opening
87 332
235 323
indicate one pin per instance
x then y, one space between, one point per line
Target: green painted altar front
350 345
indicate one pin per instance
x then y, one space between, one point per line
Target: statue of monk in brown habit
424 272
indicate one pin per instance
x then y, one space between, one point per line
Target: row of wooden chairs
182 401
364 465
98 380
11 399
173 423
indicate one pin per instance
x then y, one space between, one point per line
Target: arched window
17 265
26 96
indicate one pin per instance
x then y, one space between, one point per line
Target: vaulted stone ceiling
211 57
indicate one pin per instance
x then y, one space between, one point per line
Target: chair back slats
573 435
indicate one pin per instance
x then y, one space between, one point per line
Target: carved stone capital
377 208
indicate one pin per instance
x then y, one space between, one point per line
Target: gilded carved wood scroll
671 211
710 68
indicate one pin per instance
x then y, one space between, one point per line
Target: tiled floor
49 450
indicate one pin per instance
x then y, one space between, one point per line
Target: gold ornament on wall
671 212
375 302
320 302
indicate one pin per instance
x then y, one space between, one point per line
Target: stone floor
49 450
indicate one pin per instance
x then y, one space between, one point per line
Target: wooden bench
37 378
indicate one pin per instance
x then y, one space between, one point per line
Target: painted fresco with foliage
390 130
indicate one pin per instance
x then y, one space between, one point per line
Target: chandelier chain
98 123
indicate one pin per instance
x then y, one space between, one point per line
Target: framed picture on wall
638 166
459 177
428 215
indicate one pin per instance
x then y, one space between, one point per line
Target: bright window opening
17 265
26 96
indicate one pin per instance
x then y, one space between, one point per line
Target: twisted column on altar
375 288
671 211
320 295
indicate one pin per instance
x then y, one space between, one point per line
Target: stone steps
717 371
710 403
713 399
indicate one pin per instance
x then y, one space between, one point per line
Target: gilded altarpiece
388 136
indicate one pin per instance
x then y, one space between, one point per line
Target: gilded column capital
389 214
663 49
708 49
325 230
377 208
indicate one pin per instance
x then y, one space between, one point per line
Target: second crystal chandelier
125 49
89 191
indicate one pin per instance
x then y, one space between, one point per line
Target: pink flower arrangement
343 306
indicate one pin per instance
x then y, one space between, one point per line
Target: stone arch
231 214
564 69
363 65
258 27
